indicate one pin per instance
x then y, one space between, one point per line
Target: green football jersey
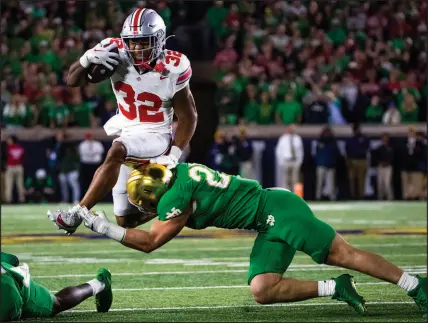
21 275
217 199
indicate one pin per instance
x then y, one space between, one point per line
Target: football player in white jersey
150 84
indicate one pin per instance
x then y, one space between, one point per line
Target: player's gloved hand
170 160
99 223
66 220
100 55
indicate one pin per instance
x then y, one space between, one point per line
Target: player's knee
262 287
116 154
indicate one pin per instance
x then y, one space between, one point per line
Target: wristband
84 61
115 232
176 152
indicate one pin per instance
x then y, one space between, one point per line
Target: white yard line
186 308
165 250
410 269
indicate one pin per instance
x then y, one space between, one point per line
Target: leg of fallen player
100 287
105 177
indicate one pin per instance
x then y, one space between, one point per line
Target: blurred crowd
313 62
296 61
40 40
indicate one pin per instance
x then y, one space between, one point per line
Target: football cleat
346 291
65 220
104 299
419 294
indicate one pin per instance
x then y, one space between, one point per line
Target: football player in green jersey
22 297
196 196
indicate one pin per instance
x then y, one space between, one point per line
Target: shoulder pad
176 62
179 66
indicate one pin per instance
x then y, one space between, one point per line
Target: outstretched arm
160 232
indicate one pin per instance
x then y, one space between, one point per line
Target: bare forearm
139 240
76 75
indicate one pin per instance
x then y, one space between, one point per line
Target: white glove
100 55
170 160
68 221
100 224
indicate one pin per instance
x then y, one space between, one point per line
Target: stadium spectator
391 116
39 187
289 157
326 155
384 155
3 157
217 151
68 166
411 176
356 154
91 154
108 111
422 141
289 111
227 100
17 112
14 170
231 160
245 154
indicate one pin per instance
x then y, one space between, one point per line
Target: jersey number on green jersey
197 170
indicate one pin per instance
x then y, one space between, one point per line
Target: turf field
201 275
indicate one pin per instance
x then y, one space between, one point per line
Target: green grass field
202 275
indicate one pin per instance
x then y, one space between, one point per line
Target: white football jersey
145 100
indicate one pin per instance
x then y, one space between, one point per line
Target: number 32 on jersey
147 104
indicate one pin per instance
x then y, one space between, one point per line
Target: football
98 72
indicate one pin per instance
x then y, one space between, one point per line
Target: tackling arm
160 233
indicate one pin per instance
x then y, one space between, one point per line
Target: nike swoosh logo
97 50
163 77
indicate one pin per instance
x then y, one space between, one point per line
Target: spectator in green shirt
58 115
83 114
251 107
337 33
409 109
48 57
288 111
17 113
227 101
216 15
165 12
39 187
266 110
374 111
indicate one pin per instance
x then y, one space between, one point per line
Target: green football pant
39 304
288 225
